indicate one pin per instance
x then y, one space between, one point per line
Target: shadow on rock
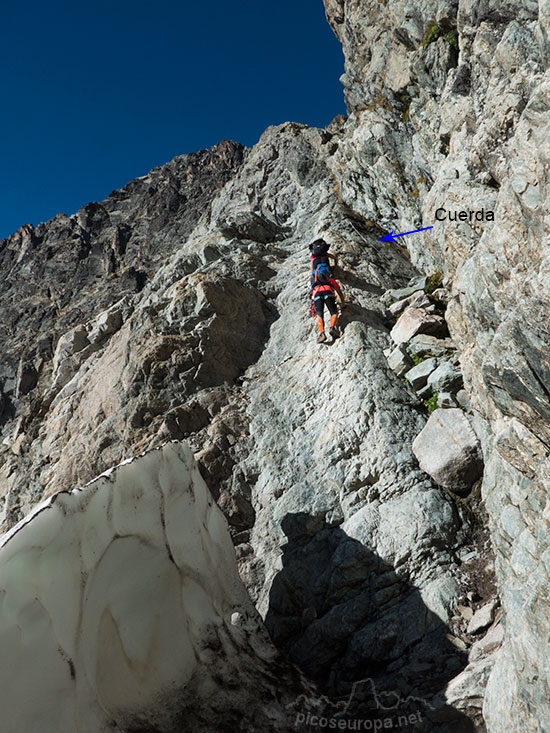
355 312
362 633
350 280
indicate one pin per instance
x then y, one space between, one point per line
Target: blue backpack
320 276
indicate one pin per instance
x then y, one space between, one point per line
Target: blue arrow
391 236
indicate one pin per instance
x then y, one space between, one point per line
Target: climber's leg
319 308
333 310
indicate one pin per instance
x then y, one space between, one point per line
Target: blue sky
95 94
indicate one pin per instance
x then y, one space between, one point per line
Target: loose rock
416 320
399 361
483 617
419 374
446 378
424 345
419 299
449 451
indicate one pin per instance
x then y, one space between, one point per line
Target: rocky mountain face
70 269
177 310
450 113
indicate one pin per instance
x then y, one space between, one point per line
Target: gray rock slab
398 294
425 345
488 643
446 378
449 451
483 617
414 321
419 282
418 375
419 299
399 360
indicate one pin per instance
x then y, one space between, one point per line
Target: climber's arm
338 289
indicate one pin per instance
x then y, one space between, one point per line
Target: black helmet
319 247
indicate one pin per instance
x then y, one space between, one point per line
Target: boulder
448 450
418 375
426 345
446 378
483 617
487 644
419 299
416 320
399 361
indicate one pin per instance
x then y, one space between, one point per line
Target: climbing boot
321 338
334 332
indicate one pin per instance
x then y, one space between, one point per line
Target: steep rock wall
340 536
351 553
449 110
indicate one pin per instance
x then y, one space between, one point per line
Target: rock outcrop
339 534
449 126
448 450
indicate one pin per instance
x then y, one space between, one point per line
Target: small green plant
435 31
452 39
432 33
417 359
435 281
431 403
405 100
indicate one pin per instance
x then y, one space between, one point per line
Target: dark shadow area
354 312
350 280
362 633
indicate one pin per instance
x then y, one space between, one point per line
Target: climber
320 254
323 287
